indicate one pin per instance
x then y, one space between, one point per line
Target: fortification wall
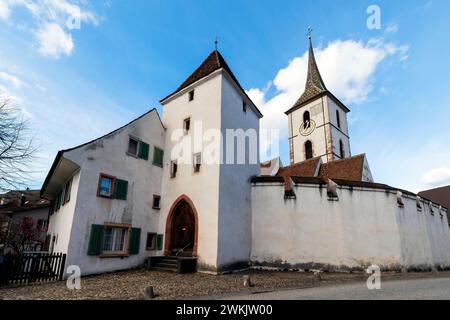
363 226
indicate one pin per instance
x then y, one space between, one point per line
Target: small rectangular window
156 202
151 241
191 95
173 169
106 186
133 147
68 191
197 162
186 125
244 107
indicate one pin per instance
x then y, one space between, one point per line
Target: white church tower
318 121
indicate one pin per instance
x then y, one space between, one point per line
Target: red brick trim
170 221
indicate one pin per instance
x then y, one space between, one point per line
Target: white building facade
177 188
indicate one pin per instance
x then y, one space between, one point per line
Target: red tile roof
440 196
213 62
350 169
306 168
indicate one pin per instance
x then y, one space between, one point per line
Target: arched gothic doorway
182 229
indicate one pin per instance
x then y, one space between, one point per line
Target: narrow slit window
306 120
186 125
338 119
197 162
341 149
308 150
173 169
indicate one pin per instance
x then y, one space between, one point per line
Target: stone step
164 269
167 265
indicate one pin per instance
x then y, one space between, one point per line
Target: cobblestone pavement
130 285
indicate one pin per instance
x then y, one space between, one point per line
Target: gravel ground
130 285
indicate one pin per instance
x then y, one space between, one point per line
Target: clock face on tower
307 127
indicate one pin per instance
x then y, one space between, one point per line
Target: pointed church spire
314 79
314 83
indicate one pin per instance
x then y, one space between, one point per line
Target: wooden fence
32 268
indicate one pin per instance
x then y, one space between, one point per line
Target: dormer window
191 95
186 125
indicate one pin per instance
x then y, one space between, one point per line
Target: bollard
149 293
247 282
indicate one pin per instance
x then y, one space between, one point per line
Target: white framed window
115 240
197 162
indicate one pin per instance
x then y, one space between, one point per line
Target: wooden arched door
182 238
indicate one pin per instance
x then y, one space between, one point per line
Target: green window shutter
158 157
159 242
144 150
121 189
135 239
96 240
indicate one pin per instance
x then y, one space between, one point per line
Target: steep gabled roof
314 87
213 62
60 154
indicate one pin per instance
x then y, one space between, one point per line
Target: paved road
422 289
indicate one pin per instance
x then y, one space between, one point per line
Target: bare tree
19 235
16 148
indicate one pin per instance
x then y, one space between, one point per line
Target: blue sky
76 84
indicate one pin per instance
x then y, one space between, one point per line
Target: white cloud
392 28
4 10
437 177
347 68
54 41
54 20
11 79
